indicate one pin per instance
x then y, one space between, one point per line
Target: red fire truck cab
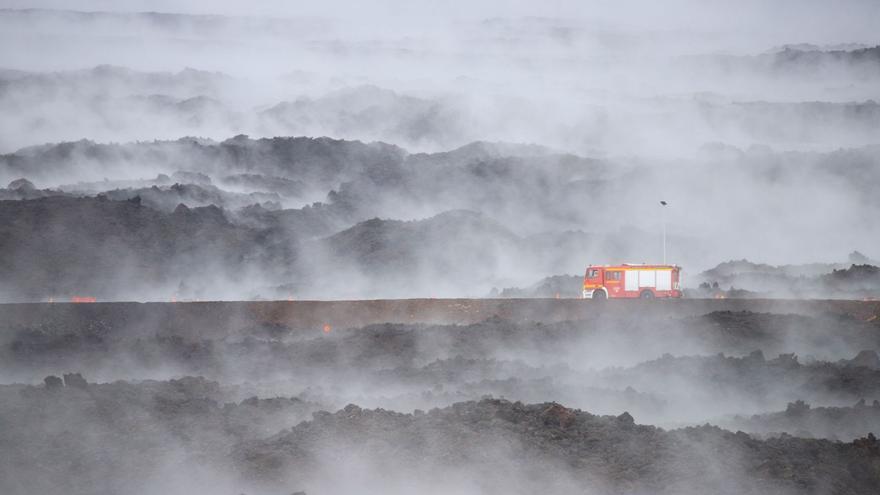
642 281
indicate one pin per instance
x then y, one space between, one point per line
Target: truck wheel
646 294
599 295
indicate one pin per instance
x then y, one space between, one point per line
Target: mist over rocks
193 195
266 406
62 247
112 436
803 420
859 277
554 286
374 114
153 235
339 247
540 211
563 448
814 58
749 378
719 361
406 255
606 453
446 95
25 189
317 161
745 279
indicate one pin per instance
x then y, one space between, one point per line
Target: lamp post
663 205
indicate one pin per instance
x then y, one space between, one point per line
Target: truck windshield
592 273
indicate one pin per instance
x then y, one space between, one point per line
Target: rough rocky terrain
328 218
548 446
275 248
663 397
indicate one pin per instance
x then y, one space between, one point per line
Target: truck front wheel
599 295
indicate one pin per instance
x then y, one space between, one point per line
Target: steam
422 418
212 151
726 124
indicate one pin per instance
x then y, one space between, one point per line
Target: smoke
396 224
572 82
759 133
420 420
727 121
194 151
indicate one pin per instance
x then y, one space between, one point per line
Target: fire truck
632 281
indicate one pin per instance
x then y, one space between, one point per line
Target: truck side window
593 273
612 275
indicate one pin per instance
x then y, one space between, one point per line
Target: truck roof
634 265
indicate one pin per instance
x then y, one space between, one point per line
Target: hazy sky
783 21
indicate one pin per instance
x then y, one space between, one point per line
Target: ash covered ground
631 399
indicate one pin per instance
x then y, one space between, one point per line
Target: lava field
290 248
664 397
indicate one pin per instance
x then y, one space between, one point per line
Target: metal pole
663 217
664 236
